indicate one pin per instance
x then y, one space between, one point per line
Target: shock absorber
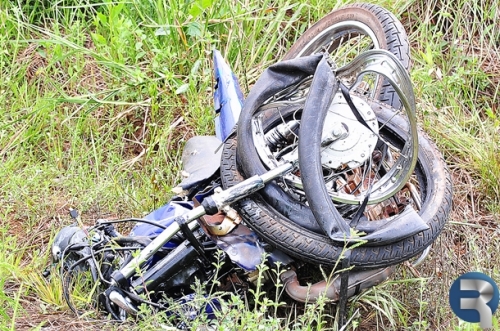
279 135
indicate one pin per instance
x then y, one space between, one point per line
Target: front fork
210 205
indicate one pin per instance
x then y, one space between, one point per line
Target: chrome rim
344 41
350 178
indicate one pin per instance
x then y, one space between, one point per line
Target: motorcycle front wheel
298 234
351 30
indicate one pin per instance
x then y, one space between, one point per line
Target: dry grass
143 127
65 321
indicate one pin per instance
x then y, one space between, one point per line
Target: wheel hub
346 141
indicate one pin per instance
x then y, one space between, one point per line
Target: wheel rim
343 41
347 204
397 168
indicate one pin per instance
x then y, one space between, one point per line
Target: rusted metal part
383 210
353 183
358 280
240 243
396 204
414 195
220 224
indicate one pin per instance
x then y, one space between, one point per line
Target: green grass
98 97
457 73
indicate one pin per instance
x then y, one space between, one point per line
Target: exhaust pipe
358 280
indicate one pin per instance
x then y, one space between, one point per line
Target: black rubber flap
323 87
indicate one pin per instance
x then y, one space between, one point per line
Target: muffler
358 280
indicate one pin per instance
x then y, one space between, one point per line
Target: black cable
138 220
92 253
355 220
83 259
365 173
66 284
66 277
355 111
141 300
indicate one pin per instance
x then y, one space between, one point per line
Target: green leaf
206 3
195 10
491 114
196 67
162 31
140 55
99 39
199 6
183 88
102 18
193 29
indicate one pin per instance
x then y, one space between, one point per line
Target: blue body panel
164 215
242 244
228 98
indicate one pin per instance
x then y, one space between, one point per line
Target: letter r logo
474 298
486 292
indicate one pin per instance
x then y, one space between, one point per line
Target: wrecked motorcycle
322 164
